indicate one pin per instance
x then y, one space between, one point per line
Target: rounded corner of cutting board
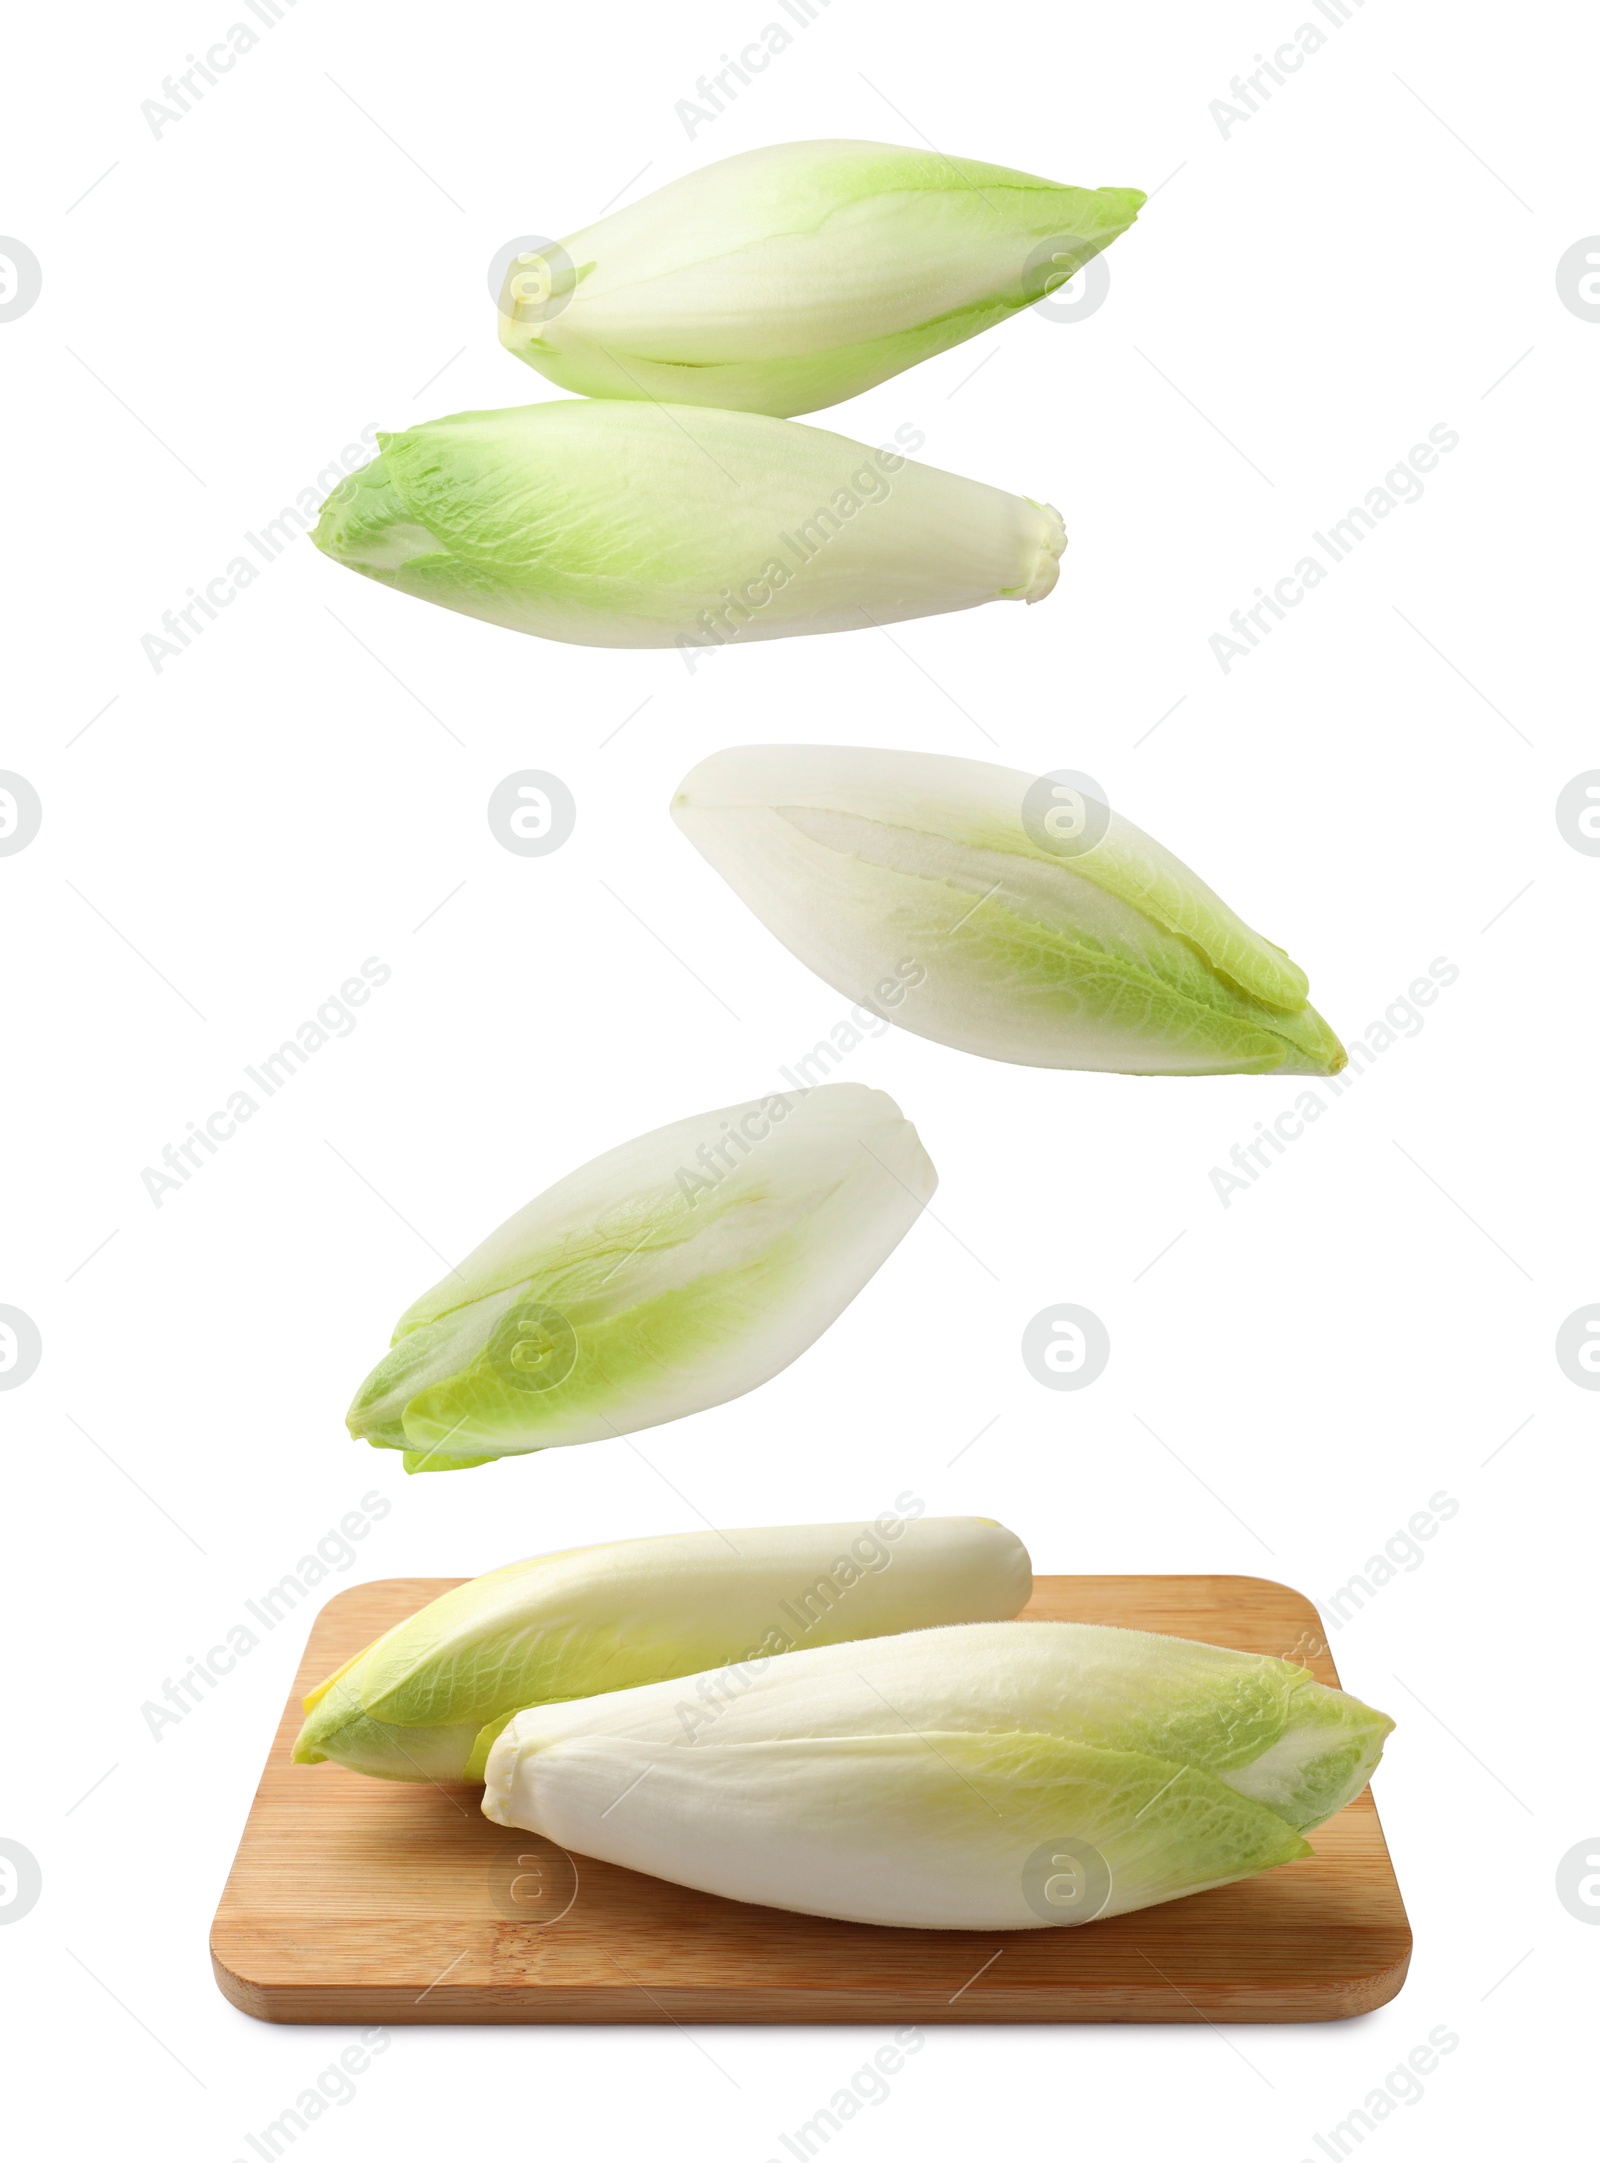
351 1596
247 1996
1366 1993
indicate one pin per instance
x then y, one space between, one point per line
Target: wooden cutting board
362 1901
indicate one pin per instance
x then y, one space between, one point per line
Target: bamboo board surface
361 1901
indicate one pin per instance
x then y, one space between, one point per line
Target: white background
1371 253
